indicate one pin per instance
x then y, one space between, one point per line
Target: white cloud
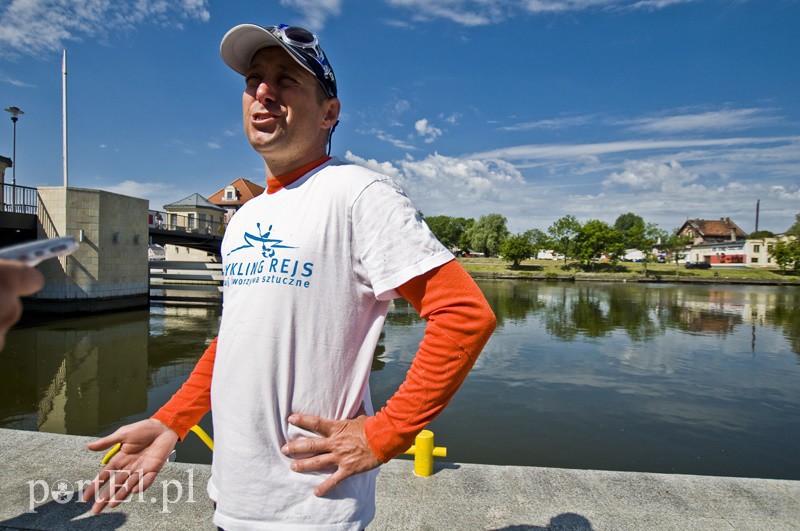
550 123
315 12
102 146
719 120
651 175
383 136
481 12
158 194
13 81
783 193
427 131
562 151
385 168
35 27
452 119
438 177
213 145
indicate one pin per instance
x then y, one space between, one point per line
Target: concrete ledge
84 305
457 496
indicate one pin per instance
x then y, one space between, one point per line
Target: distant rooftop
7 161
716 228
193 201
245 191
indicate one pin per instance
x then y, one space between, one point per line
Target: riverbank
457 496
495 268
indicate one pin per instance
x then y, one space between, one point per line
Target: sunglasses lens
299 35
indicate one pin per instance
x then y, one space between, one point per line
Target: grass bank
626 271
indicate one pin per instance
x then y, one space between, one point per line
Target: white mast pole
64 114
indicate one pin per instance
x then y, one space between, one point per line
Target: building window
754 260
190 224
756 248
230 194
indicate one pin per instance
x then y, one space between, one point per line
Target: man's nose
265 92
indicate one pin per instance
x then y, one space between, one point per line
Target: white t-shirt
308 275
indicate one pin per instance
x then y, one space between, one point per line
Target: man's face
283 117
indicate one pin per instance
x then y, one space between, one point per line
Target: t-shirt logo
268 244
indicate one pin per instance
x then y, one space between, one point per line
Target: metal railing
190 224
19 199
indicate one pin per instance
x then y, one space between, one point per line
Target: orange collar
279 182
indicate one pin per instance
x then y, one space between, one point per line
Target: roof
193 201
7 161
715 228
246 190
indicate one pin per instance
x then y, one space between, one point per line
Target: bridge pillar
110 269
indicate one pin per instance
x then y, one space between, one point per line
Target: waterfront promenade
457 496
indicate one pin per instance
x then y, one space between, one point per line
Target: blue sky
672 109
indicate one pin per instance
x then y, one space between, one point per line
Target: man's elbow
491 321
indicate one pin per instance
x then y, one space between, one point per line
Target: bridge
167 228
19 210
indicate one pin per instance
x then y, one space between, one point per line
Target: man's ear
332 108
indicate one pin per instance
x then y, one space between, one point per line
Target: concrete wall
111 263
187 254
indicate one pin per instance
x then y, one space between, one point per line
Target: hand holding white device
32 253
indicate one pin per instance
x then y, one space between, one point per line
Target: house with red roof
712 231
233 196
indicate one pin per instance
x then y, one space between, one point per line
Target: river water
658 378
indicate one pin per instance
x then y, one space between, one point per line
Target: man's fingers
312 422
106 442
310 445
313 463
19 278
333 480
125 490
96 484
31 281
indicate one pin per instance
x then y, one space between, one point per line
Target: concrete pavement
457 496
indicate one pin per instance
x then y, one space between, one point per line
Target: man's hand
343 445
146 446
16 280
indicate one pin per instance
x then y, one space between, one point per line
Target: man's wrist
163 424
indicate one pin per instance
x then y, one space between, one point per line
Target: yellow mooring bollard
424 451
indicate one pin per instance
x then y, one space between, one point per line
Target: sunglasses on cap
305 44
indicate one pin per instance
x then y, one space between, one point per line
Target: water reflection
690 379
82 376
64 378
644 312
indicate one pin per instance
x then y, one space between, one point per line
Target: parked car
697 265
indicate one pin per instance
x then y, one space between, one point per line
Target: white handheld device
31 253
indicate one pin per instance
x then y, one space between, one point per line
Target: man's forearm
193 399
460 323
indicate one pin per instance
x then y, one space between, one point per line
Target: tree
487 234
643 237
562 232
539 240
794 230
629 224
676 245
594 239
786 253
517 248
761 234
448 230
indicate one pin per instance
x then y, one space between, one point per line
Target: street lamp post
15 112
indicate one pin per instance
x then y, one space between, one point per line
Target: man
310 268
